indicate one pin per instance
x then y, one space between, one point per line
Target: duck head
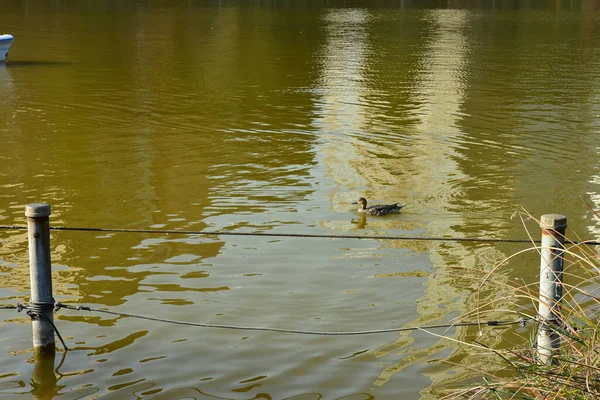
362 202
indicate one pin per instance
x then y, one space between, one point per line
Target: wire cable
299 235
520 322
269 234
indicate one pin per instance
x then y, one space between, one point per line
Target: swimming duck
380 209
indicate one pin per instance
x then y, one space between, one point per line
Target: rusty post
551 285
38 232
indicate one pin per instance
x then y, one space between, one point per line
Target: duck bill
355 202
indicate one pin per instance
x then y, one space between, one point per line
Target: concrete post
38 232
551 285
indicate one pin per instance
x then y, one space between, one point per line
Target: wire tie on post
522 322
21 307
41 307
36 313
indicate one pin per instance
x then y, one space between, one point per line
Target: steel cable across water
298 235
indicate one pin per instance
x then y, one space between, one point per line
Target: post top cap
35 210
553 221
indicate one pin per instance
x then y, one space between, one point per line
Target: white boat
5 42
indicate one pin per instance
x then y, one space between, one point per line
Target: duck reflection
360 222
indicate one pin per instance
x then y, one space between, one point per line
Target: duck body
379 209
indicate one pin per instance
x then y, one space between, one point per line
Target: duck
379 209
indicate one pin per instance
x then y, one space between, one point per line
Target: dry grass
575 374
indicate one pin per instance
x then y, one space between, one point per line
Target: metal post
551 285
38 232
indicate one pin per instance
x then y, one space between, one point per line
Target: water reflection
361 221
44 379
341 116
442 89
5 85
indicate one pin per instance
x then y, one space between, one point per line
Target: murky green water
274 117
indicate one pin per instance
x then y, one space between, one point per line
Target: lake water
274 117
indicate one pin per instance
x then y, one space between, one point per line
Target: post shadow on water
44 377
